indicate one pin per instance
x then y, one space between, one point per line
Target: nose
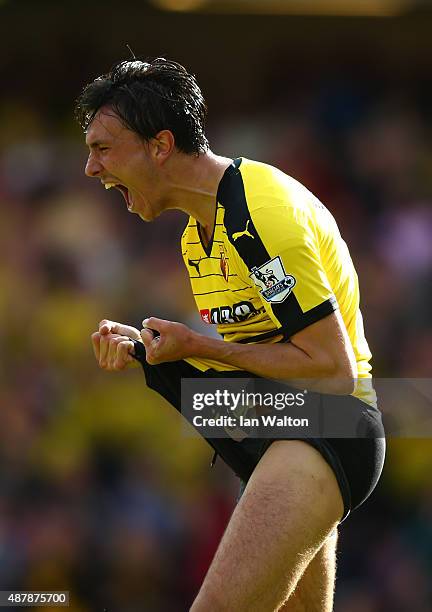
92 167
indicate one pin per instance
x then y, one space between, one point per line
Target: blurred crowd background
100 492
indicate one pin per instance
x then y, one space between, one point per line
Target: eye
103 149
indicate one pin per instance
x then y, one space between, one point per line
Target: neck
193 185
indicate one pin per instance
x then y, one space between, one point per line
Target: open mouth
123 190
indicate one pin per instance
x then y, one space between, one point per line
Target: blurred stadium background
100 494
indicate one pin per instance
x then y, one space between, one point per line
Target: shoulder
268 190
261 199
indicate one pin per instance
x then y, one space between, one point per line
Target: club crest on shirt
274 282
224 266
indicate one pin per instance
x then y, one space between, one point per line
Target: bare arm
321 350
318 351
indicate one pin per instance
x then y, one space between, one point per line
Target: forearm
282 361
321 352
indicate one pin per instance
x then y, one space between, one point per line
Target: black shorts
356 462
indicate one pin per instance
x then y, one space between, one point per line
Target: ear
162 145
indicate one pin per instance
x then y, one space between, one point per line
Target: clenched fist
113 347
167 340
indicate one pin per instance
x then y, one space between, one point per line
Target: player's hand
113 347
174 342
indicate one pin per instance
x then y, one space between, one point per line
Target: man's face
120 158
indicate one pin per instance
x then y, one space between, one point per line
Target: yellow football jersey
276 263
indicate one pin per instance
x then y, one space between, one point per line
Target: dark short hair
150 96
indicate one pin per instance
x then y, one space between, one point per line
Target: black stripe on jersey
250 247
213 274
237 217
259 337
224 290
199 242
204 258
311 316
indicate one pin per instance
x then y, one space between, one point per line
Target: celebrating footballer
268 266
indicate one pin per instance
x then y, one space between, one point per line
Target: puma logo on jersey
238 235
194 263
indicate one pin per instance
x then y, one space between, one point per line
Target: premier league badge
274 282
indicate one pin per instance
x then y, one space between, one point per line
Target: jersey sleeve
285 265
275 225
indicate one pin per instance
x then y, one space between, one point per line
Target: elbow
343 378
344 386
339 376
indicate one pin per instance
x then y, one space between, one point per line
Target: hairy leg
315 589
290 506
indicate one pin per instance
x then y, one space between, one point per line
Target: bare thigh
315 589
290 506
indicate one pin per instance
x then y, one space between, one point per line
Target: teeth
109 185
